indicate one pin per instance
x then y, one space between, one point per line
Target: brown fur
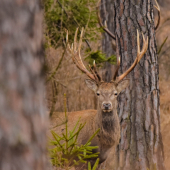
108 122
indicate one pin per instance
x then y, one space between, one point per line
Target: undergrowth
67 153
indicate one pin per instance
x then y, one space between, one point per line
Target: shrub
66 152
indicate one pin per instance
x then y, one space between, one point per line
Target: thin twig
160 49
159 15
104 27
54 99
54 72
164 52
168 19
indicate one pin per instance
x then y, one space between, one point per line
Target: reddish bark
139 107
22 116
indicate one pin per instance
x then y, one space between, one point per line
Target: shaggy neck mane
107 121
109 126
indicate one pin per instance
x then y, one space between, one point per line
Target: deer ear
122 85
91 84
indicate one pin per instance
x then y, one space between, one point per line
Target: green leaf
96 164
112 59
93 136
100 58
89 166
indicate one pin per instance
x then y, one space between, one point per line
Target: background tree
139 107
107 17
23 118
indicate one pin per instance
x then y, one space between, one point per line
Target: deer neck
108 122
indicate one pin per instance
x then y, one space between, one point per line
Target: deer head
106 92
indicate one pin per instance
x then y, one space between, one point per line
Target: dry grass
69 80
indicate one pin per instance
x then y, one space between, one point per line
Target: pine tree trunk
107 13
139 107
22 116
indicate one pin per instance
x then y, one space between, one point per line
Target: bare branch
159 16
117 69
104 27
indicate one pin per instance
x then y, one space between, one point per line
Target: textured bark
107 13
139 106
22 115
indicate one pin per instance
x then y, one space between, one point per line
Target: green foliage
100 58
95 165
66 152
62 15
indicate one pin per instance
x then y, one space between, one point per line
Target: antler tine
117 69
73 48
144 48
80 41
139 56
95 70
159 16
75 40
76 57
101 24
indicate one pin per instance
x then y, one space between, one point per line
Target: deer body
106 117
107 138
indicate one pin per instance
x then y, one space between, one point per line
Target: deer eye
98 94
115 93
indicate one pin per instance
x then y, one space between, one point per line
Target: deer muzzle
106 106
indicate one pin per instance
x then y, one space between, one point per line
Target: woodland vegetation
37 70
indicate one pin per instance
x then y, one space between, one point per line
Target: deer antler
104 27
138 58
76 57
159 16
117 69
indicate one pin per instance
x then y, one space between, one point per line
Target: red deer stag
105 117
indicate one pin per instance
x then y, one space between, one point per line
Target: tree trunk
107 13
22 117
139 107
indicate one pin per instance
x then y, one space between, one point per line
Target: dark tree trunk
139 107
107 14
22 112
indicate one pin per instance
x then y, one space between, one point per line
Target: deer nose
106 106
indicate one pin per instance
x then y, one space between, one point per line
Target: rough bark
22 116
139 106
107 13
